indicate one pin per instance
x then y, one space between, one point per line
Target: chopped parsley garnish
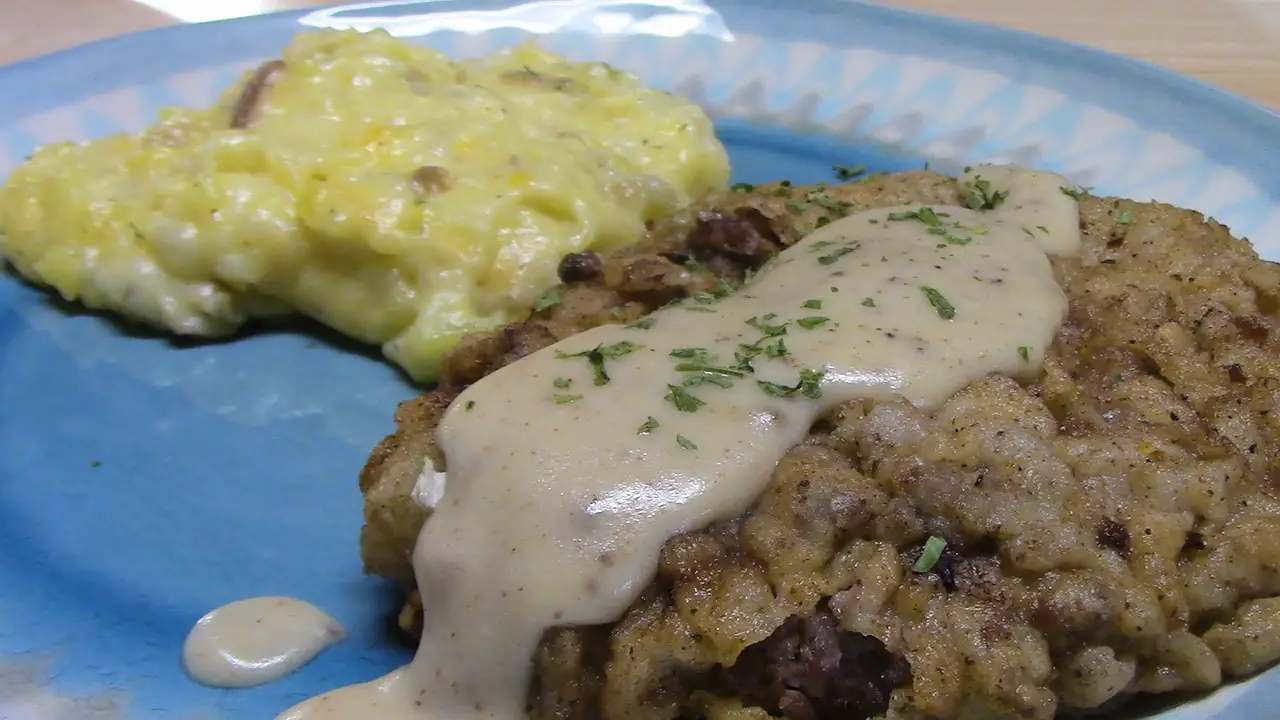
549 299
825 202
868 302
562 383
982 197
697 354
810 386
697 308
685 443
1072 191
849 173
618 313
822 222
742 187
945 309
775 348
683 401
618 349
1125 218
649 426
819 244
694 380
797 206
698 367
470 404
762 324
1024 352
1043 229
926 215
930 555
812 321
835 255
566 399
951 238
643 323
597 355
812 304
1027 230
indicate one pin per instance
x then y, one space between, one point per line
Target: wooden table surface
1231 43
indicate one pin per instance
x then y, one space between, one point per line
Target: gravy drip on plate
568 470
256 641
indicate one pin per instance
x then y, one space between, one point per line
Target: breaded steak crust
1112 530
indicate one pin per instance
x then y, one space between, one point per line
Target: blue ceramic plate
142 484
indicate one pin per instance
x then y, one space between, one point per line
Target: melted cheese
569 470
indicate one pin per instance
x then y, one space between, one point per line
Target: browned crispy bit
245 111
580 267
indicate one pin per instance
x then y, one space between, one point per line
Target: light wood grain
1234 44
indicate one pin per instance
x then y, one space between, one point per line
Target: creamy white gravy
569 470
256 641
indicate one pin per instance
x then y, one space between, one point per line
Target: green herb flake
548 299
618 313
649 426
812 304
1126 217
1024 352
698 308
849 173
562 383
470 404
742 187
762 324
618 349
812 321
95 463
683 401
835 255
945 309
810 385
698 379
566 399
698 354
825 202
642 324
774 389
1027 230
926 215
697 367
597 355
1072 191
868 302
685 443
798 207
930 555
982 197
1043 229
775 348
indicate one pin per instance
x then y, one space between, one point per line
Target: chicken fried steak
1025 550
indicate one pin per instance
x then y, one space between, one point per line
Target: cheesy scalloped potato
400 197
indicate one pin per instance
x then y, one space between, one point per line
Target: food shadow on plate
267 371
